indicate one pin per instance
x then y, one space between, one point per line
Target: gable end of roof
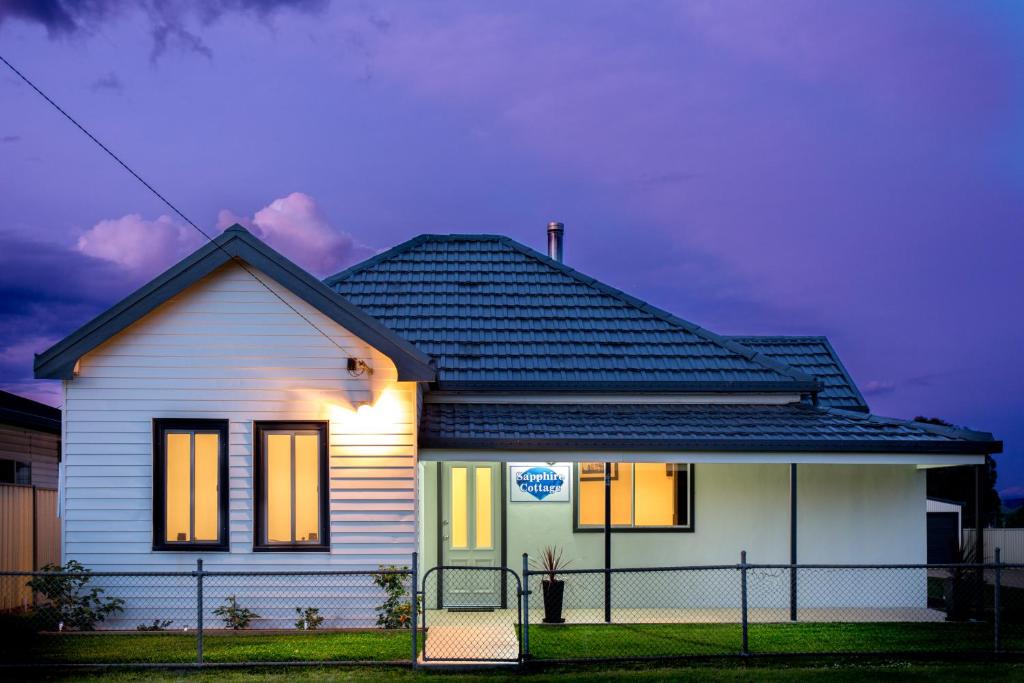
234 244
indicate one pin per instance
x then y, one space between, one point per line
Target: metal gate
471 614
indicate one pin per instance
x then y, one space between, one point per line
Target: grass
831 671
546 643
98 648
625 640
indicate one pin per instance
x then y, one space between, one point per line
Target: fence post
745 650
414 596
526 605
199 611
998 644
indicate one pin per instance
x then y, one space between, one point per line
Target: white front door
470 533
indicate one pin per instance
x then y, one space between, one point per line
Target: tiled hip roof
707 427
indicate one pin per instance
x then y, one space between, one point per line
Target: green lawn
831 672
95 648
546 643
639 640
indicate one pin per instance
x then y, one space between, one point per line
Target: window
291 486
15 472
644 496
190 488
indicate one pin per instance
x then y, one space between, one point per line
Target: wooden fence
1009 541
29 538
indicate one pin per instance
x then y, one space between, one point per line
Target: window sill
191 548
296 548
636 530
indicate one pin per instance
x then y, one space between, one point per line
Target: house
29 456
471 399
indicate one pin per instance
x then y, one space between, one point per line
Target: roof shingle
685 427
492 311
815 356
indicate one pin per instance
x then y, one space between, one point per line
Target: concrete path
461 637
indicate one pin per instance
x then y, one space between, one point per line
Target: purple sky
849 169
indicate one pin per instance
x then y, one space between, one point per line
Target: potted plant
960 586
551 563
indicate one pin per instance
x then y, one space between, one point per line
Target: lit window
291 483
190 484
643 495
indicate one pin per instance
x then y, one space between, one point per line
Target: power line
173 208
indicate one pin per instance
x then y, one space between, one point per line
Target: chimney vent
555 233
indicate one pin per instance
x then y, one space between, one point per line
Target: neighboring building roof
815 356
788 427
19 411
234 244
496 314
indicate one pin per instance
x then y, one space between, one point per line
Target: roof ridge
662 314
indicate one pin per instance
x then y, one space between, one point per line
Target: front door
470 537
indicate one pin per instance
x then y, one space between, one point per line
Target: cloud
109 81
47 290
878 387
10 138
295 226
137 244
168 22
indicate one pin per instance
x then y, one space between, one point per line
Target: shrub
309 619
157 625
234 615
396 611
68 604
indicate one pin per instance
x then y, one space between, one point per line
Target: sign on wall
539 482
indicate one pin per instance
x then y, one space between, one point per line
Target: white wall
847 514
227 348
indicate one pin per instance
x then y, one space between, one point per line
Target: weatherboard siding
227 348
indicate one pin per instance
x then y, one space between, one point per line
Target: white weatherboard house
468 398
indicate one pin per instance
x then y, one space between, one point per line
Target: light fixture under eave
363 408
357 366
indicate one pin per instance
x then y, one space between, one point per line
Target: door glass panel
483 508
207 454
307 489
178 494
279 488
460 507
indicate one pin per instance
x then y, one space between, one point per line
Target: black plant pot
554 591
956 592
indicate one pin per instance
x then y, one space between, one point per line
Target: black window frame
15 468
160 427
259 485
689 529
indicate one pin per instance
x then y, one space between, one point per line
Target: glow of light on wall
377 417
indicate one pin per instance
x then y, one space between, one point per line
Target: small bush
234 615
396 610
309 619
157 625
68 604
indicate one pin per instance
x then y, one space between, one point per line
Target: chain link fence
761 609
396 615
202 616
